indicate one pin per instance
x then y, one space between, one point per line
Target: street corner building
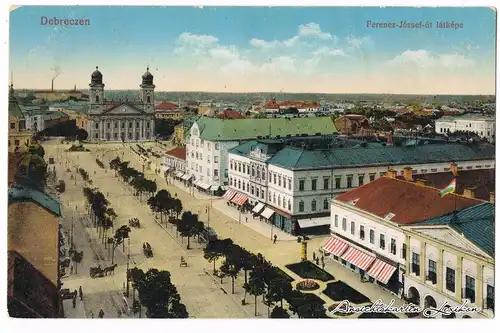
121 121
33 254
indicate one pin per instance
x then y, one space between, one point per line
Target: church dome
96 77
147 78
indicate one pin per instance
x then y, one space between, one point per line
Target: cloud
313 30
359 42
325 51
425 59
188 38
309 31
263 44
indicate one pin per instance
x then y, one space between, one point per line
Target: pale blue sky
258 49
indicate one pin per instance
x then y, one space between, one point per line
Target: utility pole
72 232
128 260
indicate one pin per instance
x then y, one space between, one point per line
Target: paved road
201 295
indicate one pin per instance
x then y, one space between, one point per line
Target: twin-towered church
121 120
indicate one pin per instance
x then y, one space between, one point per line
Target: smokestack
52 89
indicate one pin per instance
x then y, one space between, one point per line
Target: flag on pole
450 188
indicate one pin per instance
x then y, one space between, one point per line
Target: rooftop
475 223
297 158
178 152
244 129
20 193
230 114
468 116
405 201
166 106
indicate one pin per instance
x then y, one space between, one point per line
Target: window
196 155
216 146
284 203
325 204
344 224
326 181
123 126
216 159
313 205
231 181
97 98
403 251
149 99
239 183
470 288
313 184
208 172
279 200
96 125
431 275
337 182
415 263
361 179
393 246
289 183
115 124
216 173
372 177
274 178
490 297
244 170
450 279
208 158
336 221
231 164
262 194
349 181
361 232
257 192
208 145
252 190
243 184
353 227
301 206
16 143
258 173
239 167
301 184
274 198
279 180
289 205
263 175
382 241
372 236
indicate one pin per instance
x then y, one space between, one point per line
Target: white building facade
483 126
117 121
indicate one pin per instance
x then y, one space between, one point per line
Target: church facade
121 121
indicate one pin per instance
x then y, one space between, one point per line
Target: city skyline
242 49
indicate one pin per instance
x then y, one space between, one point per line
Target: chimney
52 88
469 192
408 174
422 182
454 169
391 173
492 197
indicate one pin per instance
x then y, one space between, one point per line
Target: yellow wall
17 137
33 232
179 135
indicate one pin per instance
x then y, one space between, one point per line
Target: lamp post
128 262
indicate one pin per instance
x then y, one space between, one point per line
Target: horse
110 269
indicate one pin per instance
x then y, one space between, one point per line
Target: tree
32 168
255 287
277 288
212 252
164 202
160 296
231 269
81 134
177 207
279 313
260 115
120 234
186 225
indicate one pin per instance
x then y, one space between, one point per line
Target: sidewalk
77 312
261 227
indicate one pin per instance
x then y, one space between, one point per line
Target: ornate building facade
112 121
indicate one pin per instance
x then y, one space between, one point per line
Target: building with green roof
457 251
297 177
209 139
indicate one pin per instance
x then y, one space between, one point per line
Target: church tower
96 90
147 92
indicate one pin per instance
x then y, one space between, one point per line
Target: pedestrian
74 302
275 238
92 313
322 258
81 293
101 314
323 264
71 269
314 256
246 219
317 261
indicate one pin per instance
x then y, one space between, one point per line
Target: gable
124 109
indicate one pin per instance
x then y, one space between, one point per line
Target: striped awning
381 271
239 199
335 246
229 194
267 213
258 208
358 258
214 187
203 185
179 174
185 177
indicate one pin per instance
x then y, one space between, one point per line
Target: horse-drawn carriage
134 222
146 248
96 272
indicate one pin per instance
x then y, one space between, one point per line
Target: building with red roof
175 161
168 110
230 114
366 225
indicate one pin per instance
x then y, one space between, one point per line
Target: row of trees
99 163
264 280
103 218
157 293
84 174
133 177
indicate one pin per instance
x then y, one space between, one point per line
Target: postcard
251 162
